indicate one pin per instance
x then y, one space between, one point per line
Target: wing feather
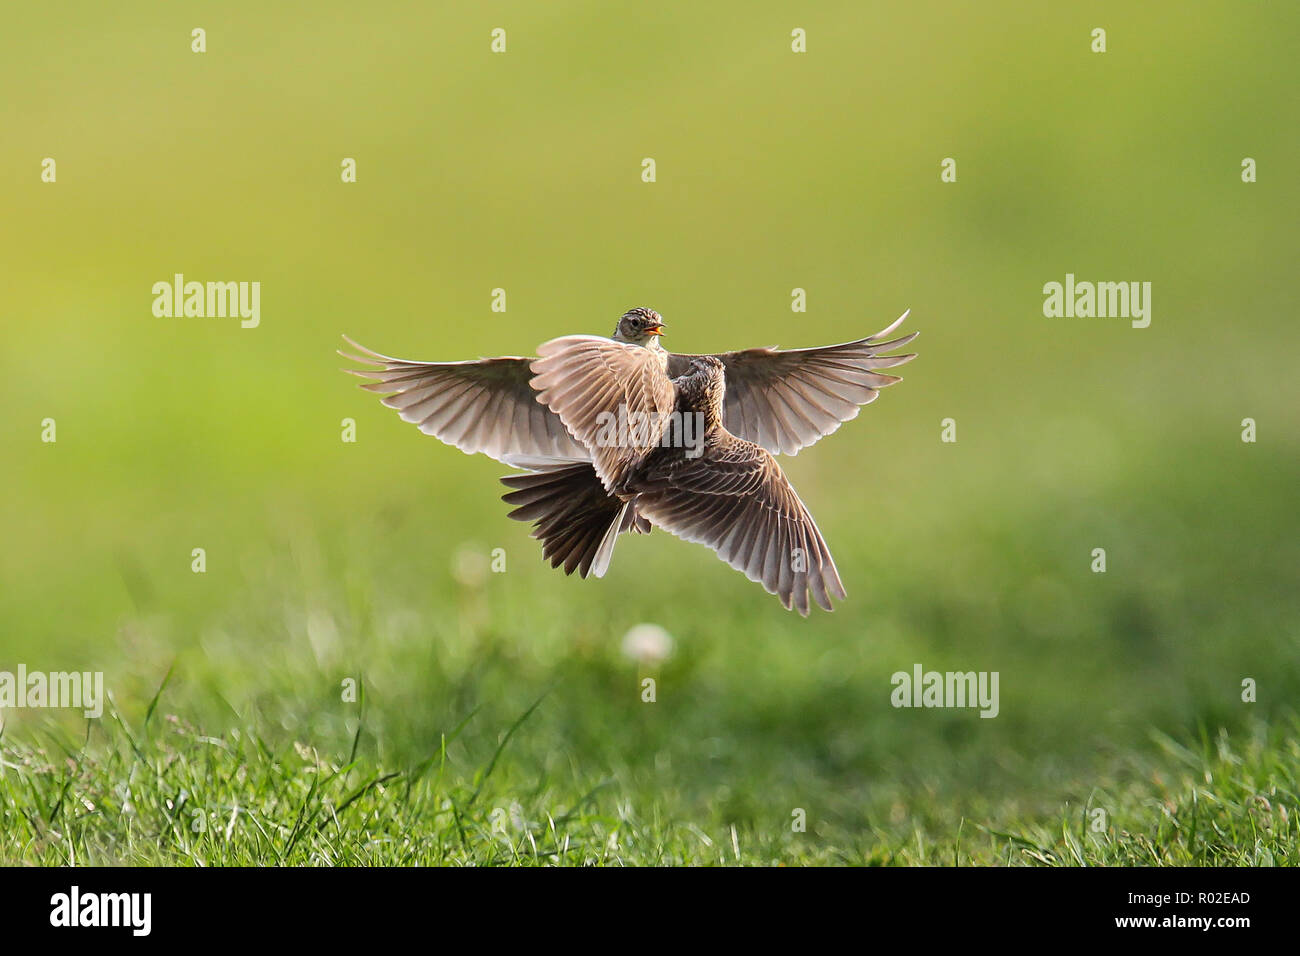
735 499
784 400
478 406
588 381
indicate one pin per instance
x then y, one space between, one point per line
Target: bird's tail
573 516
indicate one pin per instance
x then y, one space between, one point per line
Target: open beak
655 329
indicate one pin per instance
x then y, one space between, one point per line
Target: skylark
717 483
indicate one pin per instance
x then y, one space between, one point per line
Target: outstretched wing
786 400
479 406
735 499
615 399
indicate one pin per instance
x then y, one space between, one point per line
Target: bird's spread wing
735 499
786 400
479 406
614 398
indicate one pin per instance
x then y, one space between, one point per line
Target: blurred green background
775 170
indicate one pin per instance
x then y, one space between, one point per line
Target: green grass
166 794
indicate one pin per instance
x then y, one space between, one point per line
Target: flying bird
619 435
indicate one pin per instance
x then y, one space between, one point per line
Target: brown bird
621 435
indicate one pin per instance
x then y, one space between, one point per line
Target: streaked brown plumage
582 491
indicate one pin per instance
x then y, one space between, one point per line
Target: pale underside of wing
736 500
484 406
787 399
615 399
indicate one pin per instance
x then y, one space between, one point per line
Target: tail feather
573 516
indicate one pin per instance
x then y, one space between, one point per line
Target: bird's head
639 327
704 384
707 366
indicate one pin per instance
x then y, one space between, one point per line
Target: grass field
1147 714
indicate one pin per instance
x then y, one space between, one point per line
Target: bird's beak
655 329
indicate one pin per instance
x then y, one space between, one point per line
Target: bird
699 464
